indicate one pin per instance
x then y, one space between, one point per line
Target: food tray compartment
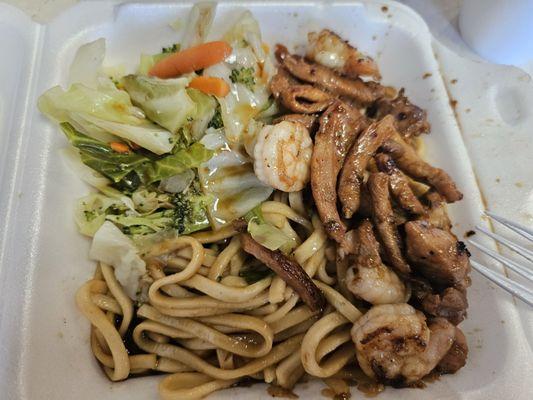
45 340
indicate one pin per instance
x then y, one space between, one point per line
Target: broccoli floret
171 49
190 212
216 122
89 215
243 75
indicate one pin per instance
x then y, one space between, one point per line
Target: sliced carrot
210 85
119 147
191 59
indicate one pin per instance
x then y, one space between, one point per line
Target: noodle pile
208 328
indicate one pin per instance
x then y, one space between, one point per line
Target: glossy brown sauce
370 388
278 391
330 393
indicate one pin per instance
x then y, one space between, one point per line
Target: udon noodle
205 326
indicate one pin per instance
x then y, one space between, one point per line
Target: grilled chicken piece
450 304
399 185
395 345
310 121
339 126
363 92
409 119
368 278
356 162
305 99
288 270
296 97
436 213
281 81
328 48
455 359
409 162
436 253
383 216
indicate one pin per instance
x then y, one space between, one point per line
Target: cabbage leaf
105 109
199 23
87 63
112 247
228 177
248 72
165 101
267 234
132 169
91 211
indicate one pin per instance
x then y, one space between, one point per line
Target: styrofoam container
44 340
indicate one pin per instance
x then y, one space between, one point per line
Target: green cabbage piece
267 234
191 157
199 23
101 157
248 73
130 170
188 214
104 110
184 111
91 211
206 107
229 178
165 101
112 247
106 102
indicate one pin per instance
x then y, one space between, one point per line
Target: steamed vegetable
101 157
129 170
72 158
267 234
146 135
229 178
248 72
199 23
91 212
210 85
183 111
112 247
119 147
105 109
177 183
87 63
165 102
191 59
148 61
105 103
146 201
182 160
206 107
186 212
243 75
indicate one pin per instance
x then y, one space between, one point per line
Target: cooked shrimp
328 48
282 156
395 345
369 279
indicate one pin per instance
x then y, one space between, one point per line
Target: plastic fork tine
518 228
506 242
506 284
519 269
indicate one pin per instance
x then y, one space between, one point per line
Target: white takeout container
44 340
